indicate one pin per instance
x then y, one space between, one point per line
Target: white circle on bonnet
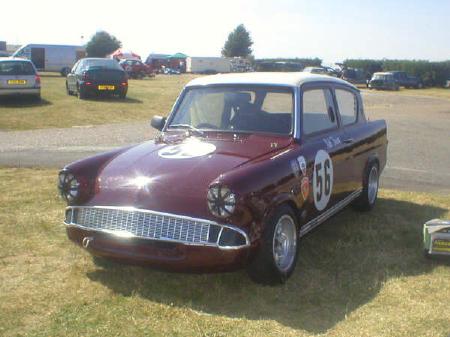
187 150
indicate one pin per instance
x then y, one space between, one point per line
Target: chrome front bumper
130 222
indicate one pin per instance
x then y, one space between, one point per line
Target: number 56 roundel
322 179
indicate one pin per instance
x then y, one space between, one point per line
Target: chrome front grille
138 223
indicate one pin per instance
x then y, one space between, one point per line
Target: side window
348 106
278 102
74 68
318 114
80 67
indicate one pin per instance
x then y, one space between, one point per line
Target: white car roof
14 59
292 79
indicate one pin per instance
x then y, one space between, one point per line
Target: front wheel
276 259
369 194
68 91
65 72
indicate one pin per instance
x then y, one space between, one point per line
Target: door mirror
158 122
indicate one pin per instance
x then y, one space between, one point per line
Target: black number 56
323 176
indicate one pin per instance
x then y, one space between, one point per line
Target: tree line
431 73
239 43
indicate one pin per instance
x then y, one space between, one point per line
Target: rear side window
16 68
318 113
348 106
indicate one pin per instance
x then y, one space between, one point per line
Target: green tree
238 44
102 44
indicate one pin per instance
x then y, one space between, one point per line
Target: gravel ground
418 131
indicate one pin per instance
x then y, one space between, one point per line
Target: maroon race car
245 165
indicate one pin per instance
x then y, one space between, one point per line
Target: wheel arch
280 200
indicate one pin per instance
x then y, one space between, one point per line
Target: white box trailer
207 65
51 57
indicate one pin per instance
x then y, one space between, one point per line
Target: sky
330 30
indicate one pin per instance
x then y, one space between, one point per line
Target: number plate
106 87
12 82
441 246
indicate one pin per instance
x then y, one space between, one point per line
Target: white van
49 57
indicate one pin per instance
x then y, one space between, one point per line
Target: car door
351 118
321 149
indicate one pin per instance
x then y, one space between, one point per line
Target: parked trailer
49 57
208 65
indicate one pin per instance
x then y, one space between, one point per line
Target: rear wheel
369 194
276 259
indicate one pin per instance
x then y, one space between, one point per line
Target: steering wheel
206 126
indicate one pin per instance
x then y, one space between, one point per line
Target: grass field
358 275
145 98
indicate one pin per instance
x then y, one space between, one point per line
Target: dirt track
418 131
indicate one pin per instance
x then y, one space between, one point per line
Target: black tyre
70 93
122 95
82 93
368 197
276 259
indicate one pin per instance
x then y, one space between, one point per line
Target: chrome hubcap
284 243
373 184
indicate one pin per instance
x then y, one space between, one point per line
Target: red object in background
136 68
122 54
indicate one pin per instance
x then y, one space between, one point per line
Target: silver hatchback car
19 77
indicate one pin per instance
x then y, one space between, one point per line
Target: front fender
88 169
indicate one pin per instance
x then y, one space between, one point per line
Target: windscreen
382 77
101 64
16 68
243 109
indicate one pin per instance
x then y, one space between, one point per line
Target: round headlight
69 186
221 201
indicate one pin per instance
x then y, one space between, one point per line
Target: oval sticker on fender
322 179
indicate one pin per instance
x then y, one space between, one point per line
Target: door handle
348 141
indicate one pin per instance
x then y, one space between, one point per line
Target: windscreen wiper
190 128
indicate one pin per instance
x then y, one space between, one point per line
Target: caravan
47 57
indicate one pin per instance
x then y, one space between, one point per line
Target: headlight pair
221 201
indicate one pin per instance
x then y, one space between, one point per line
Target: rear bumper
20 91
94 88
161 255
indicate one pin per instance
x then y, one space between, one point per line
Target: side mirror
158 122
